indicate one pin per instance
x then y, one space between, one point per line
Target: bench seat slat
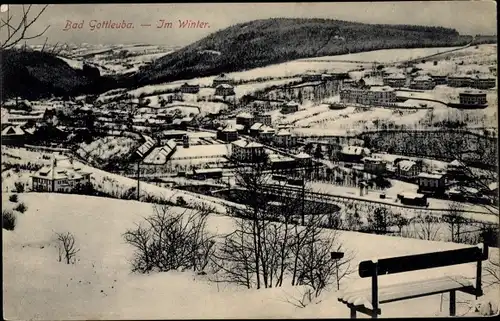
406 290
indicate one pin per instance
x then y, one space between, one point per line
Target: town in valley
263 191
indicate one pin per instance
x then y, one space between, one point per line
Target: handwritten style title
94 25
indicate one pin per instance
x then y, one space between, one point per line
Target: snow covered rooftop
256 126
473 92
228 86
381 88
12 131
201 151
406 165
222 77
422 78
244 115
430 175
283 132
292 103
411 195
302 156
457 163
247 144
395 77
354 150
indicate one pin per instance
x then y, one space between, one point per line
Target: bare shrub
8 220
171 240
19 187
21 207
66 247
13 198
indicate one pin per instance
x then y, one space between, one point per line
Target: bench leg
452 303
353 313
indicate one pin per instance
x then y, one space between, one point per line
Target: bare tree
66 246
17 32
455 220
171 239
426 227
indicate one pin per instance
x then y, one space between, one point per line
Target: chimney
185 141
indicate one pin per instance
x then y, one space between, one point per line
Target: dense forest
35 74
263 42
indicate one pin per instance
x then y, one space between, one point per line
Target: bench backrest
422 261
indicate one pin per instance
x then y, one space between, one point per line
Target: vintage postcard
249 160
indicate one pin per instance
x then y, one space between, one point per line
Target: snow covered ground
387 55
100 285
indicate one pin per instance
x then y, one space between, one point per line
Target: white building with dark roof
222 79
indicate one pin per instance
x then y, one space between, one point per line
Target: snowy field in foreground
101 286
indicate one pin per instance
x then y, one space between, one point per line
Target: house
353 153
459 80
290 107
245 151
255 129
439 79
59 177
407 169
161 155
222 79
311 76
413 199
483 82
382 95
284 138
354 95
224 90
245 119
281 162
190 89
456 168
473 98
431 183
13 135
263 118
395 81
227 134
266 133
374 165
303 159
423 83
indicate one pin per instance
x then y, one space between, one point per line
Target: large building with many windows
246 151
60 176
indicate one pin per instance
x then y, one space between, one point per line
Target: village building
353 95
395 81
290 107
222 79
245 151
14 135
60 177
255 129
423 83
374 165
284 138
431 183
263 118
311 77
227 134
353 153
245 119
439 79
472 97
266 133
383 95
161 155
459 81
456 169
281 162
484 82
190 89
224 90
303 159
407 169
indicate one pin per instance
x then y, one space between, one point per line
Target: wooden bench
368 302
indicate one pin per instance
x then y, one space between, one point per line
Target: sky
467 17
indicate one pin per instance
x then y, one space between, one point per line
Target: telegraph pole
138 178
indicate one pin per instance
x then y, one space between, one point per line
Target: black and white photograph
249 160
